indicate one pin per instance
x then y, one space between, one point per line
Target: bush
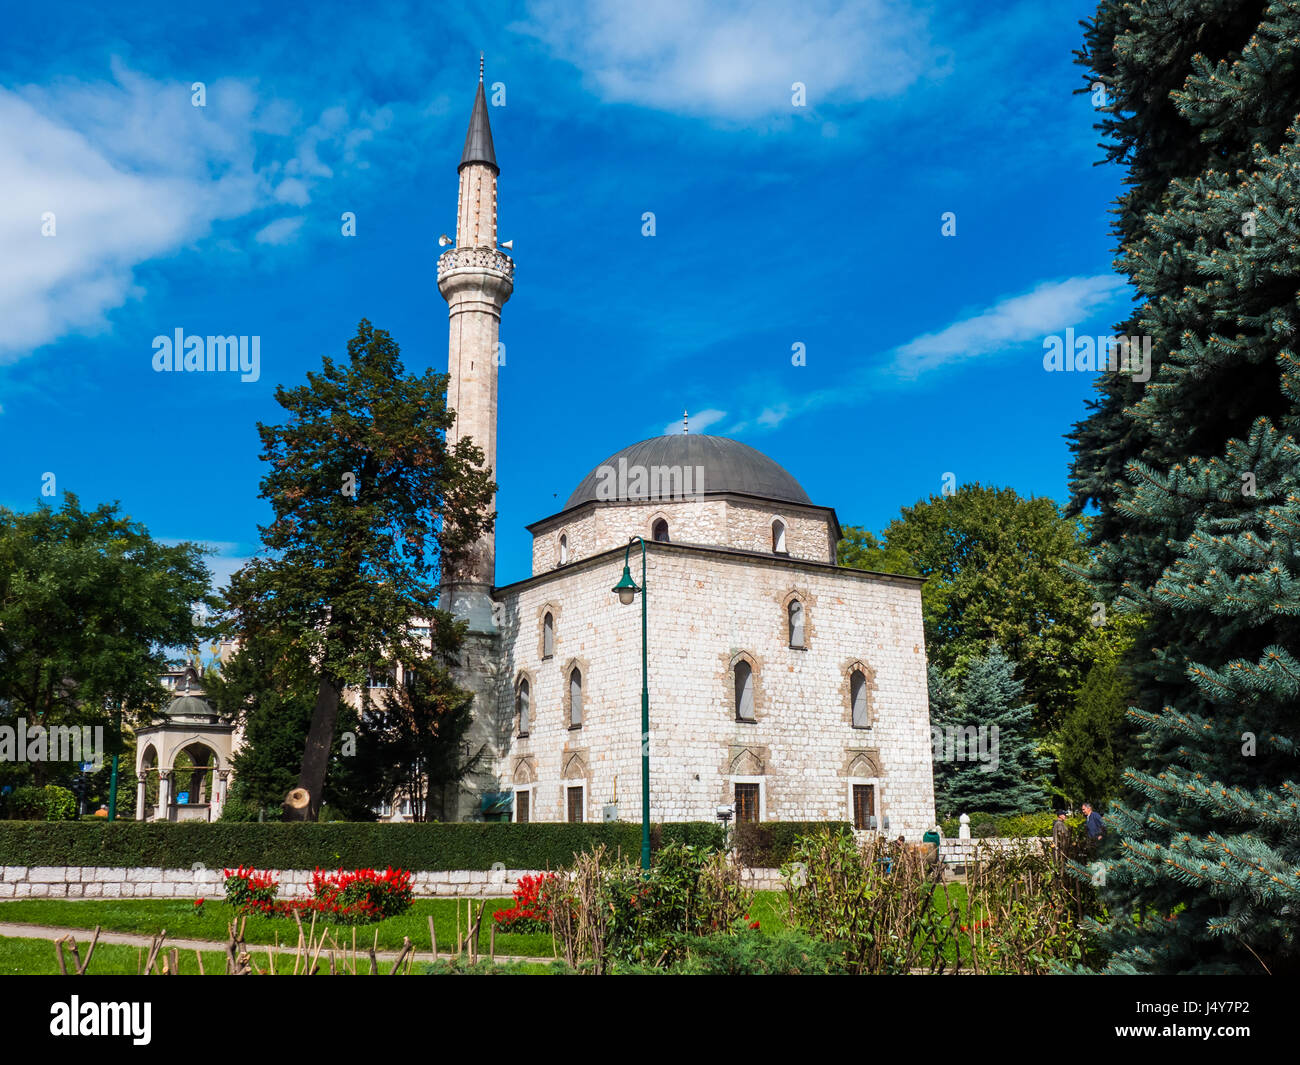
528 914
769 844
746 952
1005 826
50 803
363 896
250 891
355 845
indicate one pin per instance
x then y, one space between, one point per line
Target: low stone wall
961 851
93 882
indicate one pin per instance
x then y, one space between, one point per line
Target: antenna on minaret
480 66
686 424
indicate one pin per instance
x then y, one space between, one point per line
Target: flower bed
363 896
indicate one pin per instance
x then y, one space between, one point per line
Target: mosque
782 687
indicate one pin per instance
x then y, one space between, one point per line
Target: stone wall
87 882
707 608
720 521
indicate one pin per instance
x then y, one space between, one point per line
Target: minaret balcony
479 260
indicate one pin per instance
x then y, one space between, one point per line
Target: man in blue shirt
1093 825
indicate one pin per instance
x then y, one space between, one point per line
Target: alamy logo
966 744
103 1018
1086 354
56 743
196 354
648 482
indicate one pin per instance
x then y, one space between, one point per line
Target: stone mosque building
780 684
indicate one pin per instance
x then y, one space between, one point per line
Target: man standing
1093 825
1060 833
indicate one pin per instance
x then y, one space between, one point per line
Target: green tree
985 754
861 549
1202 533
370 504
996 568
89 602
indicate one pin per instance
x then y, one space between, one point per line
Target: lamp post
626 590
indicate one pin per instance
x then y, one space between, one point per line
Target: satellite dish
444 240
508 244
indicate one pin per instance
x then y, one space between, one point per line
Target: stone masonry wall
706 609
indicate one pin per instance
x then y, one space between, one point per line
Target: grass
179 917
35 957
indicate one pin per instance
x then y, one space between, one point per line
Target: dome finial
686 424
480 67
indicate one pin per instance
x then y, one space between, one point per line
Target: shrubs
353 845
50 803
528 914
1006 826
363 896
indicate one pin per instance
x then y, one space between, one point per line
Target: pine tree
1202 535
986 757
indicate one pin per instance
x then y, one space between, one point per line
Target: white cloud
699 422
1047 308
131 171
735 60
281 231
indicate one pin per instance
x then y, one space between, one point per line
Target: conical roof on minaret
478 141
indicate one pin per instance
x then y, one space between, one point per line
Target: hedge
339 844
769 844
1007 826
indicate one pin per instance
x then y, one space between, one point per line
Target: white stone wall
92 882
705 607
720 521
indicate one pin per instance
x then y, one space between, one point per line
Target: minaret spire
686 424
476 279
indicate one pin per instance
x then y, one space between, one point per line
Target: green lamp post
626 590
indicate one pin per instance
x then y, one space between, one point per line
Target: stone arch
524 714
807 601
553 608
583 691
864 764
746 762
657 519
525 770
573 765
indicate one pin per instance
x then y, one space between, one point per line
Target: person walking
1096 830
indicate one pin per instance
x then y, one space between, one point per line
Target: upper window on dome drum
660 531
778 538
564 550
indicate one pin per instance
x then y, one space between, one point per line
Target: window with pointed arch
523 695
575 698
744 691
858 699
778 538
564 550
659 532
548 635
795 618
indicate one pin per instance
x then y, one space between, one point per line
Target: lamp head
626 588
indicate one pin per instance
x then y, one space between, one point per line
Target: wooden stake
492 942
433 938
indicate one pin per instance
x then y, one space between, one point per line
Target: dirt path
18 930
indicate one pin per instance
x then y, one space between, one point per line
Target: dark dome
729 466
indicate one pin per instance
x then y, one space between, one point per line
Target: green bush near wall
1006 826
340 844
768 844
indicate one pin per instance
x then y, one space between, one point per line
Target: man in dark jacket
1094 826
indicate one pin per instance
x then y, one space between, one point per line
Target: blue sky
775 225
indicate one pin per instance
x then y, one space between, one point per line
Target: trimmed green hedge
339 844
1007 826
768 844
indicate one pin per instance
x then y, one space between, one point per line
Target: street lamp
626 590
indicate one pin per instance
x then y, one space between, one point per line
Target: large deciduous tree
1201 533
369 505
89 604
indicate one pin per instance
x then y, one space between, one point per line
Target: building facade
780 684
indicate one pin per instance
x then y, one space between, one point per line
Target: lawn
35 957
180 919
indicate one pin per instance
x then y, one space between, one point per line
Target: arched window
521 706
575 698
744 692
858 697
564 550
778 537
795 610
660 531
548 635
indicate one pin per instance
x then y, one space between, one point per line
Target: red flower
754 925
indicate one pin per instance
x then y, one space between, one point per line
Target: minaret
476 280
